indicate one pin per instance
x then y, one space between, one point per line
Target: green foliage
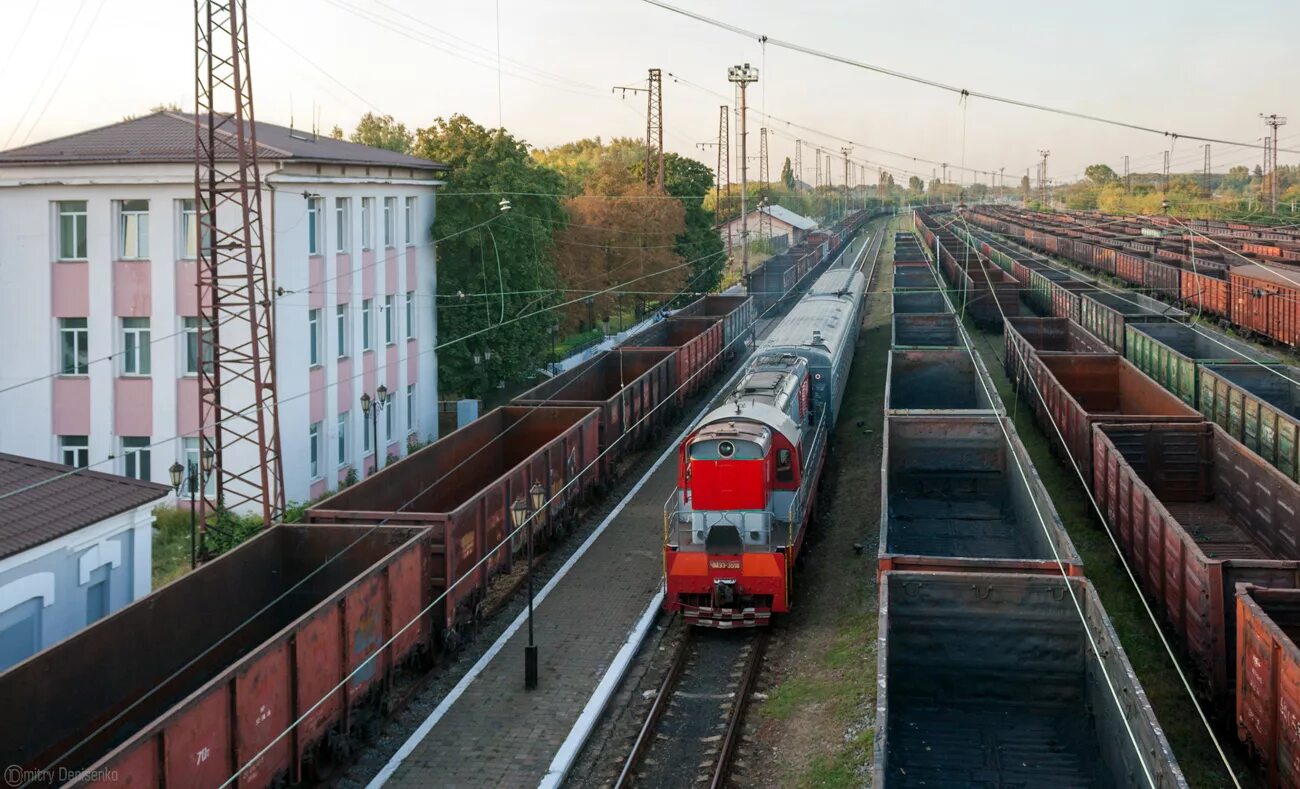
915 185
787 174
690 181
226 530
382 131
1100 174
509 259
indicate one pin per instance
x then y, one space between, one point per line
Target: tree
1100 174
1024 185
336 133
915 185
787 174
1237 179
382 131
699 244
495 272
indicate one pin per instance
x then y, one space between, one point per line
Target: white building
98 302
771 221
73 549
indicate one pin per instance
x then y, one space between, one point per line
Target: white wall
28 332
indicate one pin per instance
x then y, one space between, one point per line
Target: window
75 451
192 466
74 338
96 601
314 337
315 240
342 223
367 223
388 320
343 437
366 325
784 465
341 329
135 346
72 230
388 421
410 315
313 446
136 457
188 238
20 632
365 433
410 221
133 230
191 327
410 407
390 221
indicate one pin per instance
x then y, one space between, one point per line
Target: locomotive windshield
726 449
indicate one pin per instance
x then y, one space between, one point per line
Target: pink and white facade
98 303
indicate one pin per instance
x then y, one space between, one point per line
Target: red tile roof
169 137
32 513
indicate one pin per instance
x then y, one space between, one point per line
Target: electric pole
1274 122
741 76
1165 188
817 176
764 177
722 175
1208 190
846 151
238 406
1042 178
654 126
798 166
1128 180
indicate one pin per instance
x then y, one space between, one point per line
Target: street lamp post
190 477
370 408
520 514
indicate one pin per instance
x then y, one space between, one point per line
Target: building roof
169 137
62 506
789 217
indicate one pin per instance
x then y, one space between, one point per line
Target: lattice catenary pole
238 413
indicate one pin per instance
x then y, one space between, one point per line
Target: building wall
36 290
758 228
50 592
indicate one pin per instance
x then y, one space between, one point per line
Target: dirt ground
813 724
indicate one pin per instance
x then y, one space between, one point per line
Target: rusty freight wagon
991 294
996 680
698 346
1266 300
1205 288
1268 680
737 314
1026 339
1258 406
1080 391
1106 313
926 331
949 381
185 686
463 485
1196 513
927 302
1173 354
958 495
628 385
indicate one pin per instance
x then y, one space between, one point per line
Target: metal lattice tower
764 177
1208 190
798 166
1273 121
1165 187
817 177
1042 177
654 130
741 77
1128 180
238 412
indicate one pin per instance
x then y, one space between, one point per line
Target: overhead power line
963 92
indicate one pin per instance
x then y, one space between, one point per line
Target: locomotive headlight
726 449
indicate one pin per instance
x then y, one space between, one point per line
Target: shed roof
63 503
169 137
789 217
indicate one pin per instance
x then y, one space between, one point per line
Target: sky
1193 67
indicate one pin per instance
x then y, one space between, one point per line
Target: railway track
694 723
